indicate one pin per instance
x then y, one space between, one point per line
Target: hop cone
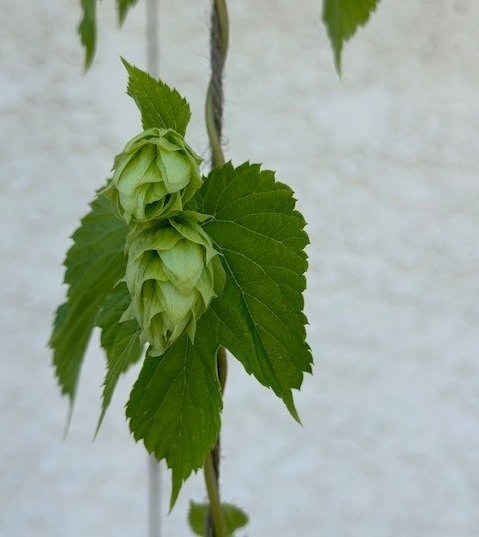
155 175
173 273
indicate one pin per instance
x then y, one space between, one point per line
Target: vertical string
154 494
152 65
152 37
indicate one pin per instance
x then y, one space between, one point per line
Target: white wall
385 166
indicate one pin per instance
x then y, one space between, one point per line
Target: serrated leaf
262 240
159 105
235 518
175 405
94 264
342 18
121 341
123 6
87 30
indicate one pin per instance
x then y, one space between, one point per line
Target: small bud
155 175
173 273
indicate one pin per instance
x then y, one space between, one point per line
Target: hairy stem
214 97
215 523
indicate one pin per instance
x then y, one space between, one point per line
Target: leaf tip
127 65
69 418
100 421
175 490
337 66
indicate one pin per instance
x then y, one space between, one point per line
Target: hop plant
173 273
154 176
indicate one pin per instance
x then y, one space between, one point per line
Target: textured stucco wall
384 163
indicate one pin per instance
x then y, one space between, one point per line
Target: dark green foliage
121 341
87 30
262 239
94 264
175 405
342 18
159 105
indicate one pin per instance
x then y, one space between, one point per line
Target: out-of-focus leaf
342 18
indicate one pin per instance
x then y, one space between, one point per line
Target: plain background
384 163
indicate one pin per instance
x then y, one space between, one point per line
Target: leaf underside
120 340
342 18
94 264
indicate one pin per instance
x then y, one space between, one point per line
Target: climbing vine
176 268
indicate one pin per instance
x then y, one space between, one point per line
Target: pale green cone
173 273
154 176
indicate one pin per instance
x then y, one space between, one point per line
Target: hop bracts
173 273
154 176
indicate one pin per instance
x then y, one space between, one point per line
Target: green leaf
94 264
87 26
159 105
175 405
121 341
123 6
261 237
342 18
235 518
87 30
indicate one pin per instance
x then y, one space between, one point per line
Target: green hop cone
173 273
154 176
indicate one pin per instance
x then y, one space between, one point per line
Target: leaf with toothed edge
175 404
262 239
123 6
159 105
94 264
87 30
342 18
121 341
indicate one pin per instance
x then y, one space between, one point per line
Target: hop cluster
173 270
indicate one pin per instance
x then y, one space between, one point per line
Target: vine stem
214 97
215 521
153 66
